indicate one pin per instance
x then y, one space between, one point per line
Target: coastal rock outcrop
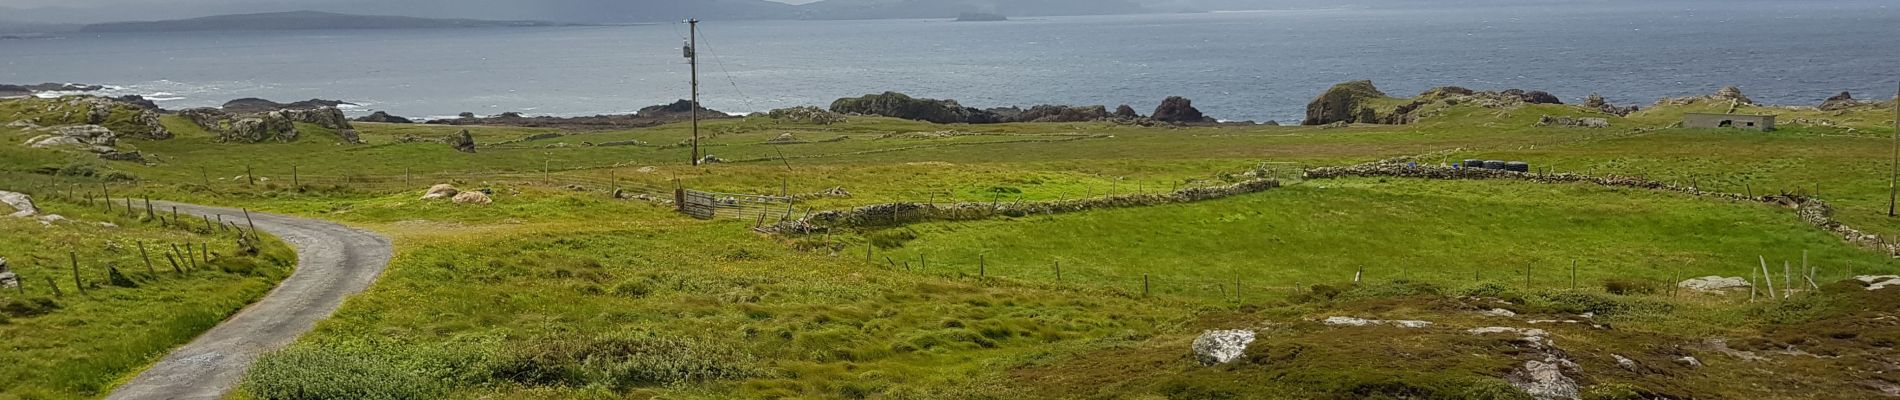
1051 113
1839 102
274 125
253 105
646 117
1597 102
1126 112
1726 94
899 105
1350 102
268 126
806 115
1179 109
383 117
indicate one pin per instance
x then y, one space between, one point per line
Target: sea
1251 65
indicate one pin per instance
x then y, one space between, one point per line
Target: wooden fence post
204 251
148 259
248 221
250 176
149 214
1058 270
74 256
1144 285
174 261
191 259
982 268
294 179
1767 277
50 283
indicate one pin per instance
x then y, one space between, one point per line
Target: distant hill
299 20
878 9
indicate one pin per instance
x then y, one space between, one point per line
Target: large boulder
440 191
463 142
1350 102
1839 102
1126 112
383 117
8 279
1714 284
472 197
327 117
21 204
1220 347
899 105
270 126
1179 109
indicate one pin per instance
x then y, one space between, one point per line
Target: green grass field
560 293
71 344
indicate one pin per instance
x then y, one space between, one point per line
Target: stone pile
1542 376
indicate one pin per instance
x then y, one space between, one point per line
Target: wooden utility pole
1893 176
692 57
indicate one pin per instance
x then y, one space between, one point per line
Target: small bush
636 289
1599 304
29 307
891 239
1624 286
311 373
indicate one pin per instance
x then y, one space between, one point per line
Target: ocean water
1259 66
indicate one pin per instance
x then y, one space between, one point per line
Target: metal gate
711 205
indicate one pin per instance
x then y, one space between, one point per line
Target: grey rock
463 142
22 204
1713 284
1221 347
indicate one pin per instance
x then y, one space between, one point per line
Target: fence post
174 261
982 268
148 209
148 259
1058 270
294 179
1573 274
74 256
190 258
106 193
1144 285
250 176
204 250
50 283
248 221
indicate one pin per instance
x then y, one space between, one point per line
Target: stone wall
1811 210
897 214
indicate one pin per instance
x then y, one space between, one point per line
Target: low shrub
28 307
621 362
318 373
1625 286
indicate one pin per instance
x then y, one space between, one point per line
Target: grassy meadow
63 342
560 291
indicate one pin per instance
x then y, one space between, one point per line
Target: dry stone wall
896 214
1811 210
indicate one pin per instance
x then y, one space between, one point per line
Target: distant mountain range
265 14
297 20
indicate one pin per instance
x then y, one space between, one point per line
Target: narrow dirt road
333 262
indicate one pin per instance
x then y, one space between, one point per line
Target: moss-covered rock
899 105
1351 102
